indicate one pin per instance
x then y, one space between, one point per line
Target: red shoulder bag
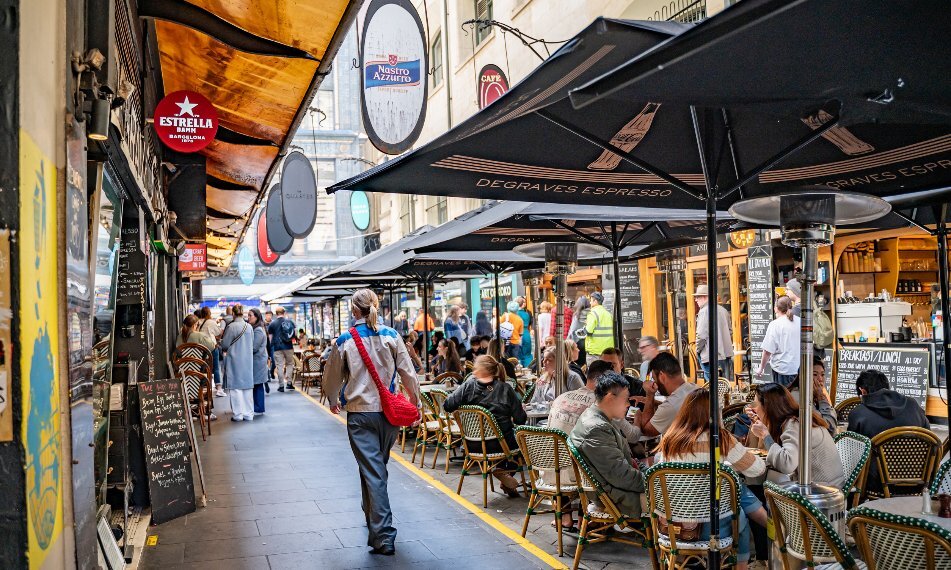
398 410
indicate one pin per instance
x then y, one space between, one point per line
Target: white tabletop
909 507
429 387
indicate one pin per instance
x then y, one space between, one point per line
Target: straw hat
702 291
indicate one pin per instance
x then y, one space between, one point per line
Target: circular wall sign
394 76
492 84
246 267
266 256
360 209
185 121
277 236
298 195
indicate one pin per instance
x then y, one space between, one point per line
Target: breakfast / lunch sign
185 121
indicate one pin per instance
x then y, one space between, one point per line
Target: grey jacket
609 457
345 368
724 334
783 455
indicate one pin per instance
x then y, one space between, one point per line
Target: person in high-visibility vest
600 328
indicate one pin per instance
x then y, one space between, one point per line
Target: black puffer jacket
886 409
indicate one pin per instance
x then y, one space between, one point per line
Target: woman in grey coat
259 353
237 345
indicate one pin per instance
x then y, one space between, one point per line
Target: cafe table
908 507
536 416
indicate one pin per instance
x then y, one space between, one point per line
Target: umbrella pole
498 315
426 323
712 348
942 235
392 308
618 334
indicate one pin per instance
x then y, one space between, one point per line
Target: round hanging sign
298 195
185 121
360 209
266 256
492 84
393 75
246 268
277 236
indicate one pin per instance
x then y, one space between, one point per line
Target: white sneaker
220 393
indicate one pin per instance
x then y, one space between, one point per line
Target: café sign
492 84
185 121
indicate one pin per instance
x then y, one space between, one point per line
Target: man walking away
600 328
724 336
511 328
281 331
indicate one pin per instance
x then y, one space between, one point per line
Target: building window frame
436 57
483 11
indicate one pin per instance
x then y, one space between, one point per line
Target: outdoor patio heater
808 218
672 263
561 260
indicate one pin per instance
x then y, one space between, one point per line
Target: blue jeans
258 397
726 529
748 501
216 365
726 365
784 379
371 439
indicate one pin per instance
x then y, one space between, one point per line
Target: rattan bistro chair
453 377
854 450
547 455
195 390
679 493
478 428
599 516
804 534
942 480
450 436
906 459
894 542
311 372
427 434
198 385
844 408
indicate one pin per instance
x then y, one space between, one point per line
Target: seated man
882 409
613 356
667 378
604 447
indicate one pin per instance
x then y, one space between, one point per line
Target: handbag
398 410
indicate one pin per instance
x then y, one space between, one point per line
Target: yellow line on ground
471 507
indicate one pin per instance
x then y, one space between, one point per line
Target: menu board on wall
759 285
130 280
907 367
629 285
167 444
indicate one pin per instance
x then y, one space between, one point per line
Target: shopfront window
107 246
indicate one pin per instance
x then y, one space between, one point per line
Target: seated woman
495 351
688 440
604 447
545 385
820 398
447 358
189 333
487 388
776 420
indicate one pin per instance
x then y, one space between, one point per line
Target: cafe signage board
394 82
492 84
193 258
185 121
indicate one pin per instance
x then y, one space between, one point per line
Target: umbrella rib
586 238
912 221
626 157
783 155
634 237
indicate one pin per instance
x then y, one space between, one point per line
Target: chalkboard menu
907 367
130 281
167 449
759 300
629 294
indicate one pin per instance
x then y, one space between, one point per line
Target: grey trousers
371 438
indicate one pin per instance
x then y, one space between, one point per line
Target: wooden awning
259 62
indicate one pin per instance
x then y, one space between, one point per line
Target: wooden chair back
803 532
907 458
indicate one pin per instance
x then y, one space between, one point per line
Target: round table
535 416
908 507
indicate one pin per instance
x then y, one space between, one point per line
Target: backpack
822 334
286 331
506 328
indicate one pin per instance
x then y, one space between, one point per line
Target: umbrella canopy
501 226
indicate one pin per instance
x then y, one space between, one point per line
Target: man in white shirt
781 344
667 378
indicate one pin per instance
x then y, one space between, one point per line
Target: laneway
284 493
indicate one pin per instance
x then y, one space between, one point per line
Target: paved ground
284 493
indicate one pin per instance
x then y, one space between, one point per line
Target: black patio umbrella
497 227
845 94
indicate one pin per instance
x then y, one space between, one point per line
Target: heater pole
810 267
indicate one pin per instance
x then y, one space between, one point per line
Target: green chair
478 429
895 542
854 451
